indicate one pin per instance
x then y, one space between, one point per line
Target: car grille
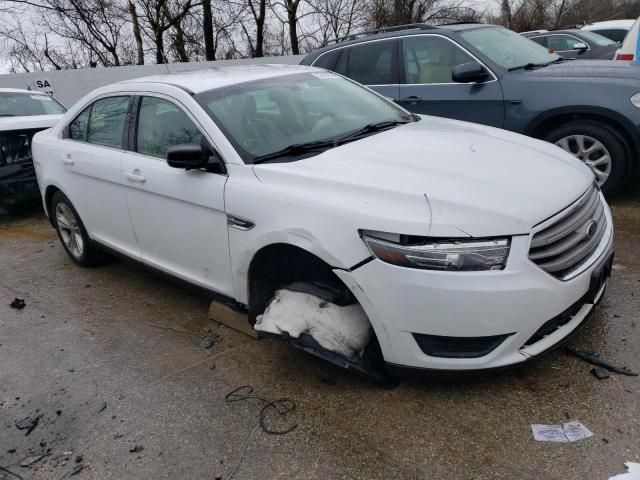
562 247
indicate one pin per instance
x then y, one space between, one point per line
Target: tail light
625 56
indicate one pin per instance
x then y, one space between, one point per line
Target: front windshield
17 104
597 39
266 116
507 48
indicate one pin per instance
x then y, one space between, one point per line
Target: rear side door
90 156
373 64
427 87
177 215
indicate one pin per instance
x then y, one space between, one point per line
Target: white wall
68 86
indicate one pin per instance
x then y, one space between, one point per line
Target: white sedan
22 114
377 239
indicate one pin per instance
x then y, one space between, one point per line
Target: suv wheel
599 147
72 233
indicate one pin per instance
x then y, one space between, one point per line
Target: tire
598 141
72 233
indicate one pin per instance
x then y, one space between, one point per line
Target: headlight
636 100
435 254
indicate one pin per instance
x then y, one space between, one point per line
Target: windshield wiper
296 149
371 128
7 115
528 66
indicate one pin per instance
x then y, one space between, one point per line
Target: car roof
394 32
627 23
197 81
553 32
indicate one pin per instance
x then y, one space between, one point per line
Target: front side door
177 215
428 88
90 157
373 64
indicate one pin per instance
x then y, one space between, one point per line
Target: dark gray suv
488 74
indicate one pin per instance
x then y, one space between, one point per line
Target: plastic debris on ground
600 373
595 359
633 472
18 303
205 342
567 432
343 330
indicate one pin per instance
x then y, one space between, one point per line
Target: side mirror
580 46
471 72
190 156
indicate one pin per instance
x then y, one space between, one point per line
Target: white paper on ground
568 432
633 472
343 330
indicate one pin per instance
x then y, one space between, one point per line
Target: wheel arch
620 125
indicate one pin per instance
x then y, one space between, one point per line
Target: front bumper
515 302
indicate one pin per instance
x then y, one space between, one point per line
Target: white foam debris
633 472
343 330
568 432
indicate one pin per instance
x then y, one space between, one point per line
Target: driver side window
162 124
431 59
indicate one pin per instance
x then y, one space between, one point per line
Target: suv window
327 60
431 59
539 40
560 43
78 128
106 123
370 63
162 124
617 35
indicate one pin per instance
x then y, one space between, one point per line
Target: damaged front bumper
434 321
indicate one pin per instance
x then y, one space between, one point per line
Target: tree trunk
136 33
292 18
207 28
159 41
181 50
260 29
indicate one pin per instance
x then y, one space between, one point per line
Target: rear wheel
72 234
599 147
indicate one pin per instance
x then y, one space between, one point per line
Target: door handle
135 176
412 98
67 160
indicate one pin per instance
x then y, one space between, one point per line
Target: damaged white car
380 240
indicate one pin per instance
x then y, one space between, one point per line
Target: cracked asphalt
105 359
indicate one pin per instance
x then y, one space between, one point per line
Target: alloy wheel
69 229
592 152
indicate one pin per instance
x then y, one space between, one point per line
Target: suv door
91 155
373 64
427 86
177 215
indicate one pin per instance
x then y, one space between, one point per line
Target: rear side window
162 124
327 60
370 63
540 40
106 123
78 128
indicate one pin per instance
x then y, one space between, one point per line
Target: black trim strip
358 265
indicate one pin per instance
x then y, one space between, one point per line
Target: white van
628 50
616 30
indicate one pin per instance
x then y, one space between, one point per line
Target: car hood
476 180
27 122
594 70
